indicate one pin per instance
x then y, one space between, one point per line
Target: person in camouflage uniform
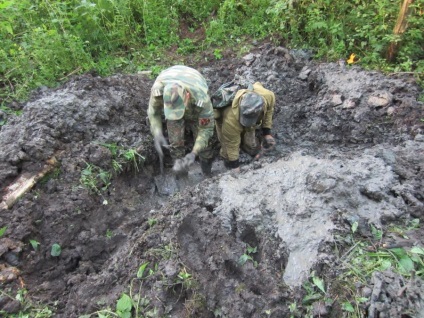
182 93
251 108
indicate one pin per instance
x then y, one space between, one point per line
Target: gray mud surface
350 148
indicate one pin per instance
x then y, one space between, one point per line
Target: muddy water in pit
297 198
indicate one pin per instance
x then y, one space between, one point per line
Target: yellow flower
352 59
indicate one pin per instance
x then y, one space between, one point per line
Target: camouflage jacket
232 130
199 107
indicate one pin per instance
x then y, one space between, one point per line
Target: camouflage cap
251 106
173 101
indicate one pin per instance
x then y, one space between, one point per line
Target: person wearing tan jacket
251 109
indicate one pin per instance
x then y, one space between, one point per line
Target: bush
45 41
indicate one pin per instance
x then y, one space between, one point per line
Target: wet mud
350 148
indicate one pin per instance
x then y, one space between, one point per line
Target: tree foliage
45 41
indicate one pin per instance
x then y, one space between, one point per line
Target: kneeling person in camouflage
182 92
236 124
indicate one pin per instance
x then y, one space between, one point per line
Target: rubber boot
206 166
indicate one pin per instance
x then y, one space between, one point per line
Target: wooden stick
24 183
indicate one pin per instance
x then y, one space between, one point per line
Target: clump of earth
350 149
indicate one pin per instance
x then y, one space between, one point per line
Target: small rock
304 73
391 110
419 138
380 99
349 104
249 58
337 100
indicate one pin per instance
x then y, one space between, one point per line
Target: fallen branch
25 183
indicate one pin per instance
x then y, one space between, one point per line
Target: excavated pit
350 148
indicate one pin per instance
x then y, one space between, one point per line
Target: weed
54 174
3 230
132 156
131 304
194 303
152 222
95 179
109 234
124 306
27 307
185 279
56 250
54 40
218 54
241 287
35 245
123 157
164 252
294 312
365 257
186 46
247 256
312 293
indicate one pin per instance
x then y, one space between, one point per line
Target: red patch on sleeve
204 121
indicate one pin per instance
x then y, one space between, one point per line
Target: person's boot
206 166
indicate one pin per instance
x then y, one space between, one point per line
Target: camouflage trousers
177 131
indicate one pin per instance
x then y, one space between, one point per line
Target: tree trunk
400 28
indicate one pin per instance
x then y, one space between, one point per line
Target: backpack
224 95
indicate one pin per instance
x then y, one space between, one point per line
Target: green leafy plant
131 304
109 233
124 306
123 157
35 245
186 279
141 270
218 54
95 178
314 290
54 174
56 250
294 311
28 308
164 252
152 222
3 230
55 40
366 256
247 256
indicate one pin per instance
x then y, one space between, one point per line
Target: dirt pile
349 149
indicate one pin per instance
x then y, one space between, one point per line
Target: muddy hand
160 142
182 165
267 145
269 142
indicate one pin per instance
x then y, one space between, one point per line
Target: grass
361 258
124 158
28 308
365 257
